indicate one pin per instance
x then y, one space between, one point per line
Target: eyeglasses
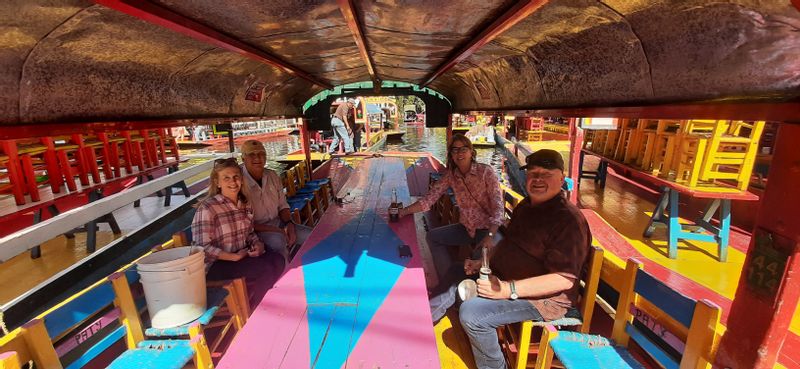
256 154
458 149
222 161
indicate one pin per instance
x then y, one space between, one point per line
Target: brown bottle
394 208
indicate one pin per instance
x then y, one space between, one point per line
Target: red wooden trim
176 22
26 130
787 111
760 320
349 12
576 143
502 23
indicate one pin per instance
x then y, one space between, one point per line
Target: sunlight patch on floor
452 342
697 260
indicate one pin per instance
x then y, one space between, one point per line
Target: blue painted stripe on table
347 277
59 321
98 348
678 306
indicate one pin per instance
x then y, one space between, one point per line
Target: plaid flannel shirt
221 225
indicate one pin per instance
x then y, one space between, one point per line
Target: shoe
349 153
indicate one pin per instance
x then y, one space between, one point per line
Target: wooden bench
75 333
673 330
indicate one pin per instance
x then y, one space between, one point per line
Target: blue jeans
480 317
277 242
340 133
451 235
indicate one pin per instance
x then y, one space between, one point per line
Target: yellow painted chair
625 138
674 316
731 153
598 141
692 142
665 144
646 143
610 143
516 338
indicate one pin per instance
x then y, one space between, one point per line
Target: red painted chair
11 176
25 158
71 160
169 146
116 158
134 150
95 150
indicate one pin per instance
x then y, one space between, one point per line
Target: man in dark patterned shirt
535 268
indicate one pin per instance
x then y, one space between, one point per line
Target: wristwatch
514 295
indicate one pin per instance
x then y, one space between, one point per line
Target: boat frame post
769 289
304 141
449 127
576 143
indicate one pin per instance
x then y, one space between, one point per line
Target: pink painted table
348 299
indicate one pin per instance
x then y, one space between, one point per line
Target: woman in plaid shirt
223 226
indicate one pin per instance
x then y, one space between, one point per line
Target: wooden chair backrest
673 329
87 323
591 283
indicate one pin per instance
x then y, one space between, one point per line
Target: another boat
481 135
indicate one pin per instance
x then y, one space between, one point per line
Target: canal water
417 138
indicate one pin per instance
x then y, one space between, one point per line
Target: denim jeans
277 242
450 235
340 133
480 317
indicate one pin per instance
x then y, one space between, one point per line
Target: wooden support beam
512 16
166 18
357 29
769 289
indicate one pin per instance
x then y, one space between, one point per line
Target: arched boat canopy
111 60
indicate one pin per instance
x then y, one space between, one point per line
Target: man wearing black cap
536 267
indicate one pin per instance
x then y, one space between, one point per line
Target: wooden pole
449 127
575 145
305 143
769 289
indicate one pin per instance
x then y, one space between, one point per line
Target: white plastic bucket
174 283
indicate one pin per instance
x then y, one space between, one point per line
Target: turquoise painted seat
576 350
672 309
155 354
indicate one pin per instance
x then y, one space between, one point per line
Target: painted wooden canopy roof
76 60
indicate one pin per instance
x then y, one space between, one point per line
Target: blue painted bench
76 332
672 329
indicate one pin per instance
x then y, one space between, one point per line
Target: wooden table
348 299
667 211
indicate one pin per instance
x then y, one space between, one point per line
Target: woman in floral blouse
480 204
223 226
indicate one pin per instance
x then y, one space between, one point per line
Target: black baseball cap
545 158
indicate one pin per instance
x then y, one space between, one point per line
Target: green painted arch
368 86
